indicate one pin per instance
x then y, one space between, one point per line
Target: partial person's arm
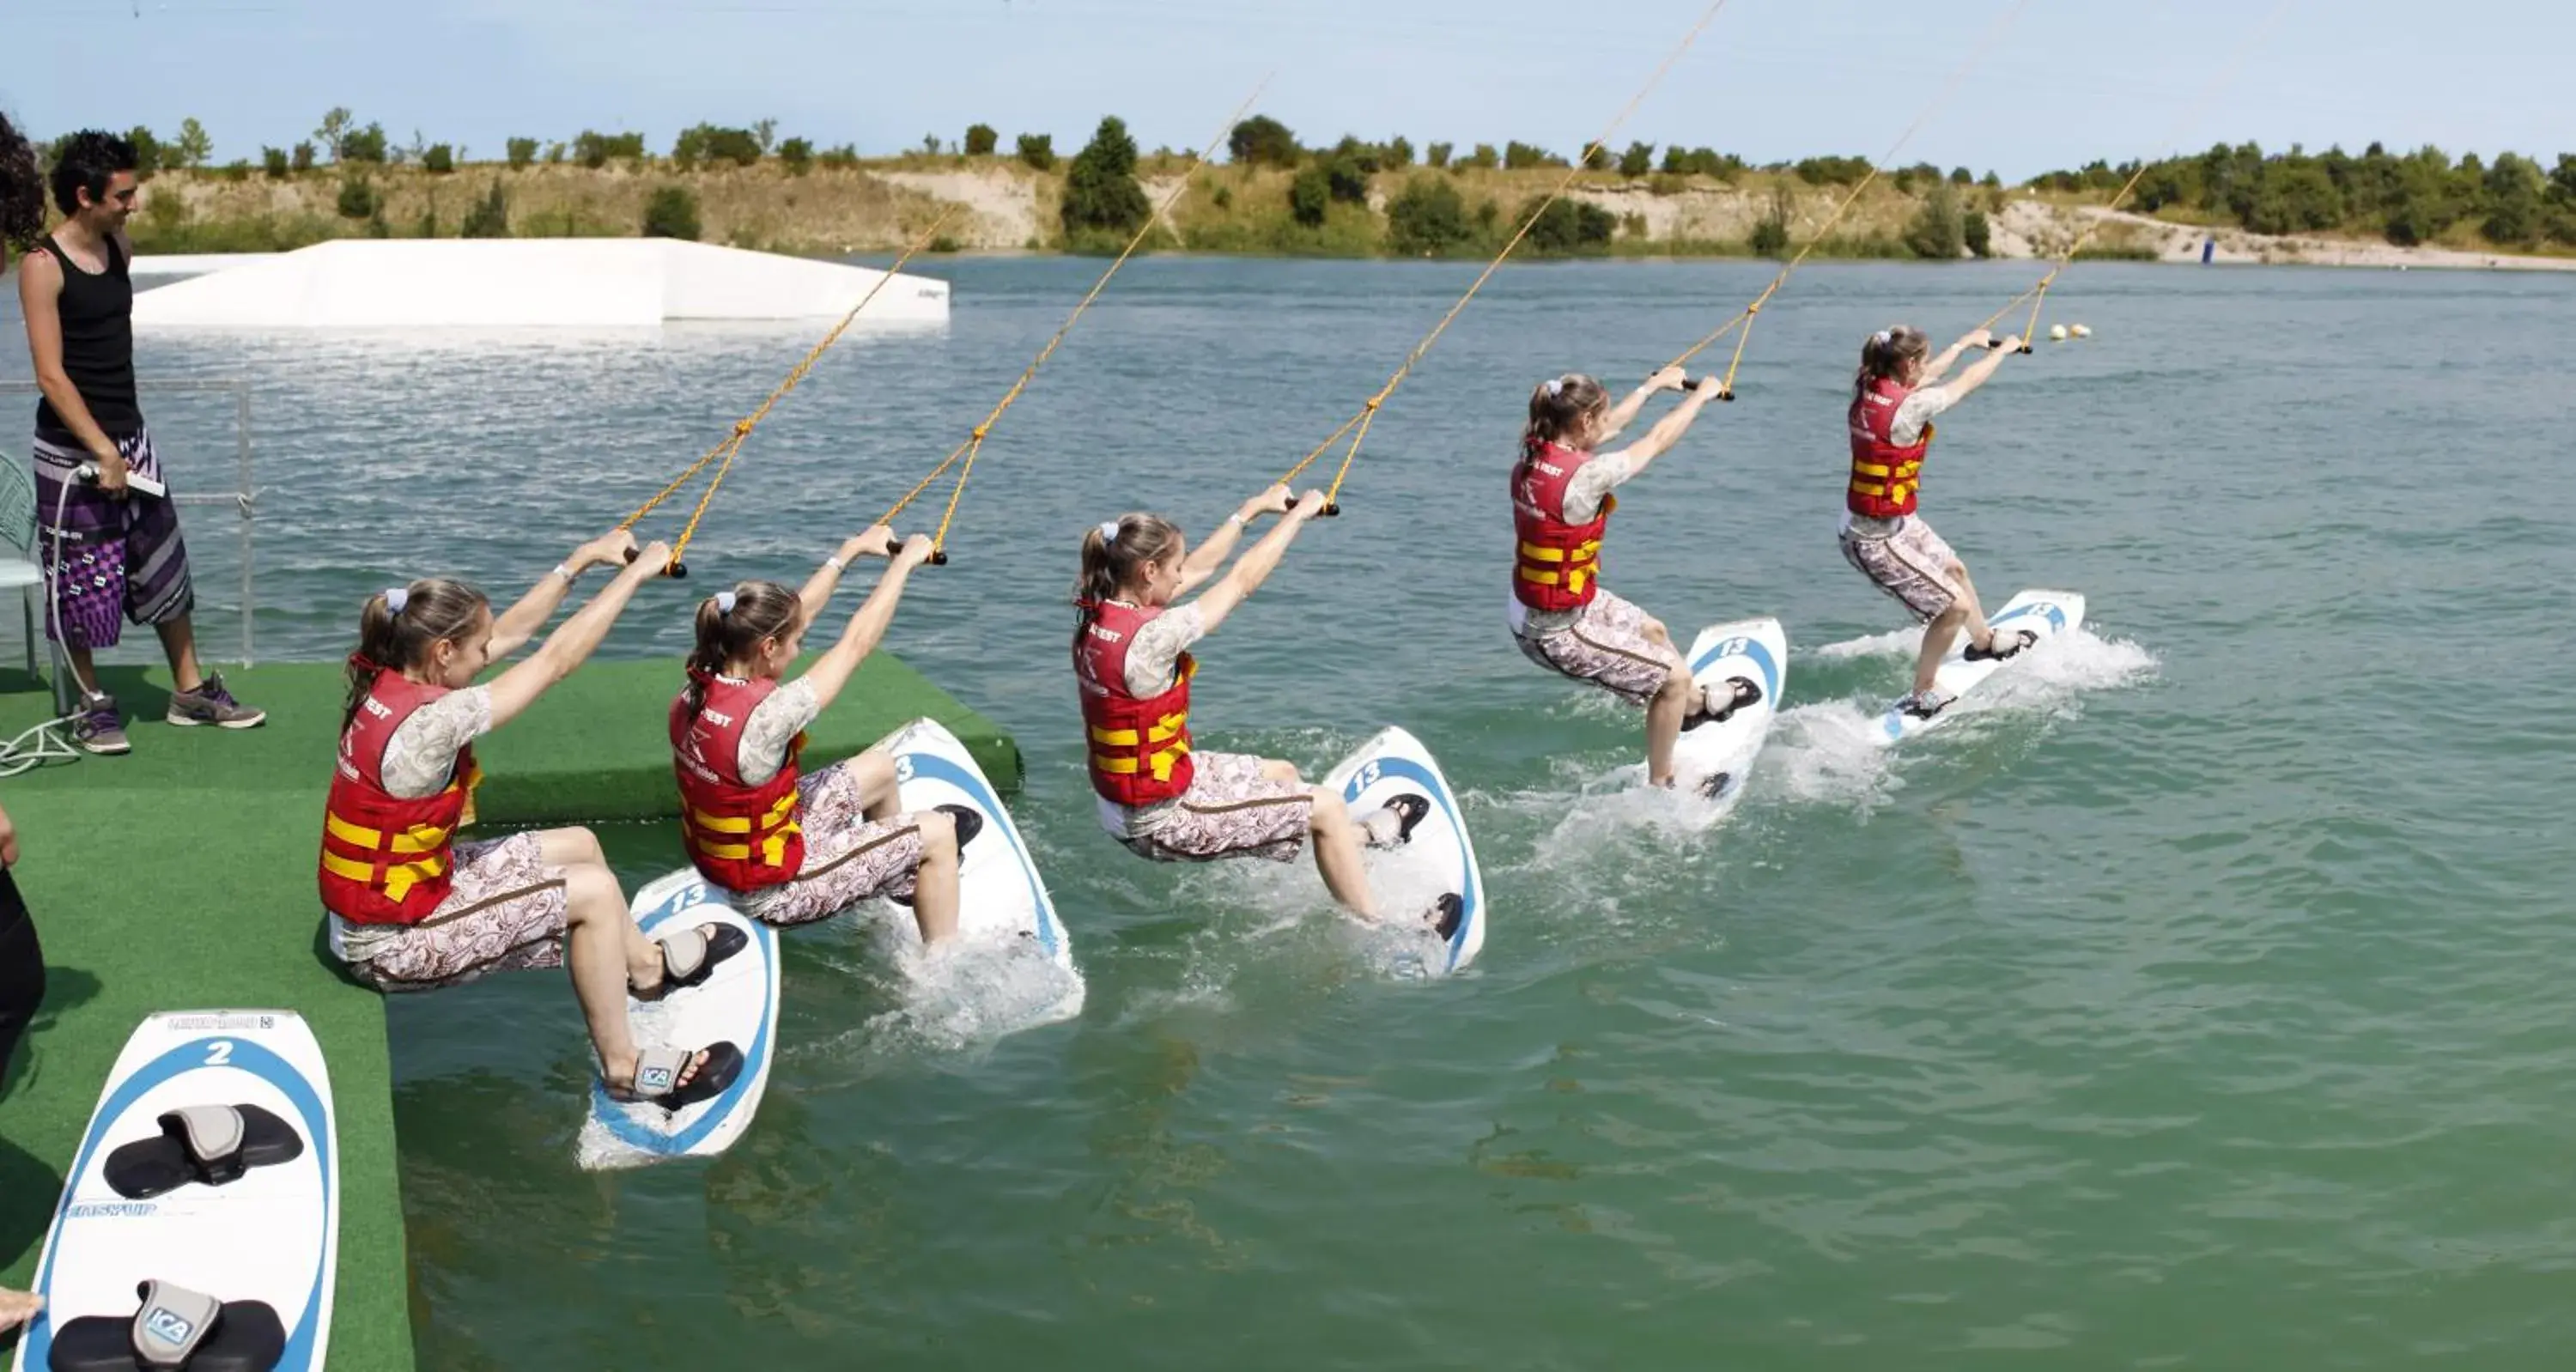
1980 369
832 670
1668 430
520 622
1205 559
567 647
40 294
1940 366
1625 412
1255 566
876 540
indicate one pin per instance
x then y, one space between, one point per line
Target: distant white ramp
528 283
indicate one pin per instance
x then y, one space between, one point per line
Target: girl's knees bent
1272 769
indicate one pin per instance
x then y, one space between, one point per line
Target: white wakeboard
1001 899
271 1235
1438 860
1711 761
736 1004
2045 614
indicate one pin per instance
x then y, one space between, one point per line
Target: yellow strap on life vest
399 877
1170 727
419 838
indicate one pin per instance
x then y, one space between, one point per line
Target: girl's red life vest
1558 563
742 837
1884 477
386 860
1139 746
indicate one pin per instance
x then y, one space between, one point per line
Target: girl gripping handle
1895 397
414 909
1560 614
793 847
1132 663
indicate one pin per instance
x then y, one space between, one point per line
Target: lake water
2198 1001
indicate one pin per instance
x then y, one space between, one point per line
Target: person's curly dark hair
22 190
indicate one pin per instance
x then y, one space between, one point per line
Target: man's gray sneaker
96 728
210 703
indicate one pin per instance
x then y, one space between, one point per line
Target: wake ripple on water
959 998
1829 752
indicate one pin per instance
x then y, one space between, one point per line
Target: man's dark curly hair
22 190
83 162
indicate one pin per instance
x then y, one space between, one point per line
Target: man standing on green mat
111 550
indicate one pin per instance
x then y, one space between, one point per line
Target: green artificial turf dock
181 876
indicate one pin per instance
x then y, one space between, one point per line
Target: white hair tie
1109 531
396 597
724 602
1882 338
1555 388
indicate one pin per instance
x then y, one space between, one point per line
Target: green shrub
1771 231
1599 158
1977 232
1100 191
237 170
439 160
1262 141
1937 233
842 158
1484 158
1638 160
1310 194
1347 178
592 149
1438 156
1519 156
1428 218
1566 228
672 212
301 160
1833 171
523 151
489 219
363 145
1399 151
1037 150
554 158
1222 197
797 155
981 139
274 162
701 144
358 198
147 152
193 147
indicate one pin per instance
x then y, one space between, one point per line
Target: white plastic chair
18 570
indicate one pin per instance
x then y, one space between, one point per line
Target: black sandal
690 956
1995 651
1745 693
657 1076
210 1145
1410 810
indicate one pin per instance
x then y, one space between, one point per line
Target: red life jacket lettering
1884 477
741 837
1557 565
1138 747
386 860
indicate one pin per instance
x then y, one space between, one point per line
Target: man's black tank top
97 310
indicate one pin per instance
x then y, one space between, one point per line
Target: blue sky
1772 79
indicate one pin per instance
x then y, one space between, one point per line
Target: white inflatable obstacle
525 283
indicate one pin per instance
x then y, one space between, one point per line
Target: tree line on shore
2409 199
